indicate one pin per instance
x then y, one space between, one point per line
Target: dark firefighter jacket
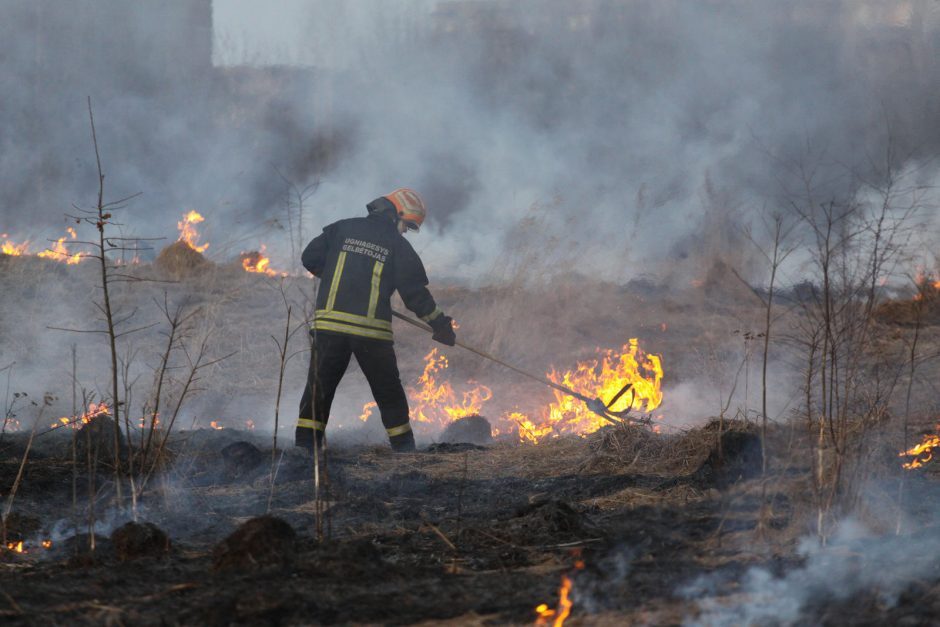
361 262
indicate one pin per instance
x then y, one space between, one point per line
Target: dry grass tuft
180 260
637 449
909 313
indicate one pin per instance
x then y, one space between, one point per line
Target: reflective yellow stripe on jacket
369 326
374 294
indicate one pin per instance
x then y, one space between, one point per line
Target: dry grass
180 260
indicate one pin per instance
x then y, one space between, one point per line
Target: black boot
403 443
305 438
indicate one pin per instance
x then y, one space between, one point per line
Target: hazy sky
269 32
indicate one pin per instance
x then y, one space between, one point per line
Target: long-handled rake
596 405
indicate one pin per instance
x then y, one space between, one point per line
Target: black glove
444 330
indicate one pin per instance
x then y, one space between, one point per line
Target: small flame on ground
76 422
14 250
215 425
144 421
259 262
922 453
11 425
16 547
20 546
926 284
188 231
557 617
250 425
59 251
434 401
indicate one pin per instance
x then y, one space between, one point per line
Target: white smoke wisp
854 561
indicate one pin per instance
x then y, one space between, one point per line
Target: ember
16 547
188 231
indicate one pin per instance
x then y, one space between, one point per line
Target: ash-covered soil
649 529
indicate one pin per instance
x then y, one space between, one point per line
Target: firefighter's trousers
328 364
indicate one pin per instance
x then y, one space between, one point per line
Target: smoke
854 561
653 130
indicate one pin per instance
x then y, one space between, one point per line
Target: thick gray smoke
856 560
644 130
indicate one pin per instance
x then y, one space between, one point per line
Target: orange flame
561 613
556 617
16 547
215 425
14 250
259 262
188 231
922 453
11 425
600 378
435 402
367 410
47 544
60 252
76 422
250 425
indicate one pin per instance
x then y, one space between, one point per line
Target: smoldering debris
469 429
259 543
134 540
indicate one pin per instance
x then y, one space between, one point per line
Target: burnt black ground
474 537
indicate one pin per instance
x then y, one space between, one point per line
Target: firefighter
361 262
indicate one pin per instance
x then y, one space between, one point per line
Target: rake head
604 410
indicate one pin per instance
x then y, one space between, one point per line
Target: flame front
922 453
600 378
59 252
434 401
14 250
188 231
76 422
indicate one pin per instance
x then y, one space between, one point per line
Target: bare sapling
778 253
920 306
101 217
126 364
9 403
295 200
47 400
196 363
283 346
850 382
176 322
